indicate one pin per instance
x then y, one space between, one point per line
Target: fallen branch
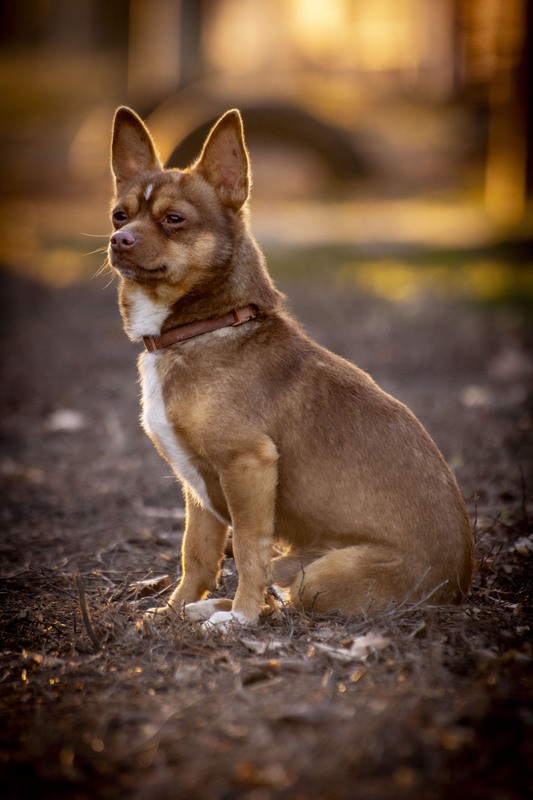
86 616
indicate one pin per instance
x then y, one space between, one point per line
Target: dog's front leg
249 483
201 554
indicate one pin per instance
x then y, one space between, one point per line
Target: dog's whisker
103 269
110 281
94 252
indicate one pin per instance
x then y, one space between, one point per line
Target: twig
85 615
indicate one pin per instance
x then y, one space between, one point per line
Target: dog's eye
174 219
119 216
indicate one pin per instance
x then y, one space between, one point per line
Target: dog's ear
132 148
224 160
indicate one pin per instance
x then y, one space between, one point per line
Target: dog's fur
269 433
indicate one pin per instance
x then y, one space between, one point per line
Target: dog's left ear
132 148
224 160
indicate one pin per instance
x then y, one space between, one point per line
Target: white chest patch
145 317
155 423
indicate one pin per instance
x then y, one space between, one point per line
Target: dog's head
176 226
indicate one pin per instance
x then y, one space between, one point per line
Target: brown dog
269 433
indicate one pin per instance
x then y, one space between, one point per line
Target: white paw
157 613
224 621
201 610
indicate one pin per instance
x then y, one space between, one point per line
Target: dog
332 488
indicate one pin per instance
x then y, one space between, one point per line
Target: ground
95 702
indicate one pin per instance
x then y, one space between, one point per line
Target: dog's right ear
132 148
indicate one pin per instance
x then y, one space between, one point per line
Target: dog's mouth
135 272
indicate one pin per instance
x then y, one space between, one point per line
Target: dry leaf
359 650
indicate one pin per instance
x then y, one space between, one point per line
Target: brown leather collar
184 332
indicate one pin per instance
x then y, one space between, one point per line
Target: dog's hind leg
285 568
362 579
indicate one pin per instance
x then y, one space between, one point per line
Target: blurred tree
63 26
164 48
497 68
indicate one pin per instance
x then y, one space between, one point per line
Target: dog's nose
121 240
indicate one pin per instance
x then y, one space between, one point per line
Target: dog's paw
224 621
203 610
158 613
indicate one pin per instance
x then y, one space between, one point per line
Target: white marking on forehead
148 191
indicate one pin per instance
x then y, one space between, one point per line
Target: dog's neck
151 316
153 311
183 333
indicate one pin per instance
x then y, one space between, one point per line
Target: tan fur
270 433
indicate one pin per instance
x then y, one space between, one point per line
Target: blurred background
390 139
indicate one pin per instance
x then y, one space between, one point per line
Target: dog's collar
193 329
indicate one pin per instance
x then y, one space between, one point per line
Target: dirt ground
418 703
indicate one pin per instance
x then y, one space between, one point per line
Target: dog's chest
156 424
144 316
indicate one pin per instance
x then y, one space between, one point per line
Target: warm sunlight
428 98
324 587
319 28
400 281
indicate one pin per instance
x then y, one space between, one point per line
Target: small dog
270 434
